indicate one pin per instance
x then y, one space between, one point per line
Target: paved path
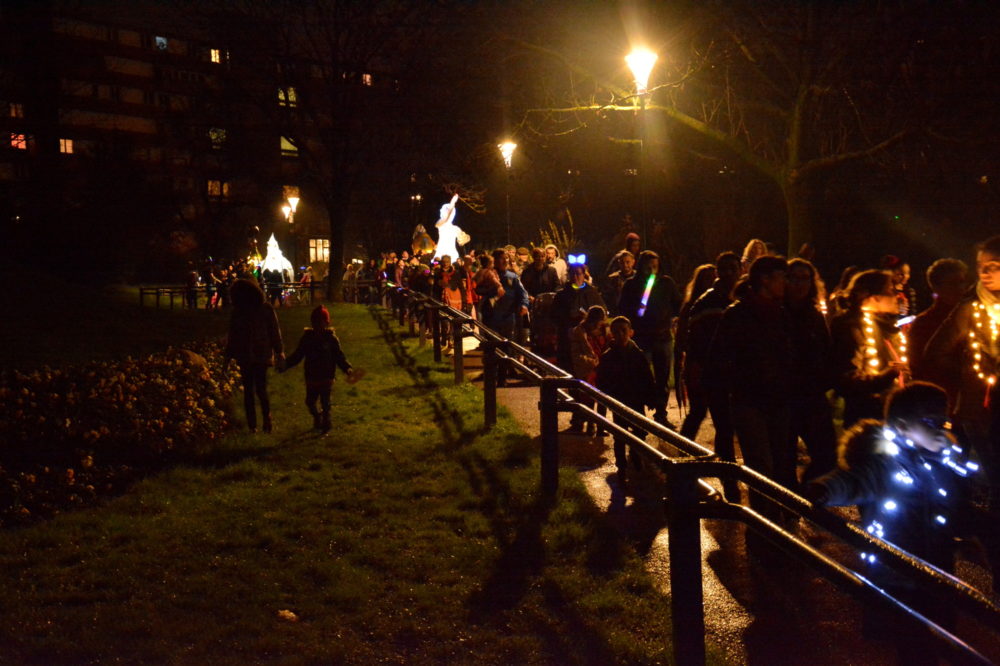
786 615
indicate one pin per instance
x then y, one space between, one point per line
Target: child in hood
321 350
909 479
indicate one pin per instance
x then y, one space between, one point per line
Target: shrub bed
69 435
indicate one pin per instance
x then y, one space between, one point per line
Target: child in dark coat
321 350
624 374
908 478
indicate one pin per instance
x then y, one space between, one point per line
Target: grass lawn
406 535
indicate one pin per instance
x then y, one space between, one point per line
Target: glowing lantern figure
274 260
448 232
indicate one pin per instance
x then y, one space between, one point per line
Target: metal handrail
687 505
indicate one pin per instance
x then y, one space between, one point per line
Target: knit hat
320 317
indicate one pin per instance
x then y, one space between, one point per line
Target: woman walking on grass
254 341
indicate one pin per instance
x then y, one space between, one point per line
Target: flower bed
69 435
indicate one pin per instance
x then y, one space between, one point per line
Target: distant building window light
218 189
66 146
366 79
161 43
288 149
16 110
19 141
217 136
287 97
217 55
319 250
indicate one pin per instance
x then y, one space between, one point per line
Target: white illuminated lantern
274 260
448 232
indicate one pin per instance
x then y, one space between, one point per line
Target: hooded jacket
322 353
907 496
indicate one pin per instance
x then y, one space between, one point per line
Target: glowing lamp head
641 62
507 151
293 203
287 211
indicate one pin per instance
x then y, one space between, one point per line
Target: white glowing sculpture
274 260
448 233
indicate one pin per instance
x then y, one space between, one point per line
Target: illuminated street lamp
641 61
507 151
288 210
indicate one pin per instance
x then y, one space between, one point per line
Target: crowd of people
217 280
781 364
893 404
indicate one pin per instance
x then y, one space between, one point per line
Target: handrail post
423 323
458 350
490 362
434 315
686 592
548 407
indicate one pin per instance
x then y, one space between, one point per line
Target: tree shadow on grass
517 521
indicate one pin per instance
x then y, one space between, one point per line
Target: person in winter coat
616 280
587 343
965 354
505 300
539 277
321 350
751 355
869 351
812 368
705 390
569 307
948 281
557 262
254 342
624 374
651 302
909 481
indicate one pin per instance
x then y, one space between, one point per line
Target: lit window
287 97
218 55
288 148
16 110
217 136
161 43
218 189
366 79
19 141
319 250
66 146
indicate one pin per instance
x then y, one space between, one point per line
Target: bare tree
797 89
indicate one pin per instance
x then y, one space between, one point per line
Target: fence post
399 302
548 407
686 592
435 325
457 348
490 362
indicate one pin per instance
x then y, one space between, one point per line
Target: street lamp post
641 61
289 211
507 151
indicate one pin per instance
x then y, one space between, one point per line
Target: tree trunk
798 194
337 206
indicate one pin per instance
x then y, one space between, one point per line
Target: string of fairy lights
983 317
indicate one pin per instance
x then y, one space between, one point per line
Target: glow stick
645 294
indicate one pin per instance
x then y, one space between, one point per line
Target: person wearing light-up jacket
910 481
869 351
